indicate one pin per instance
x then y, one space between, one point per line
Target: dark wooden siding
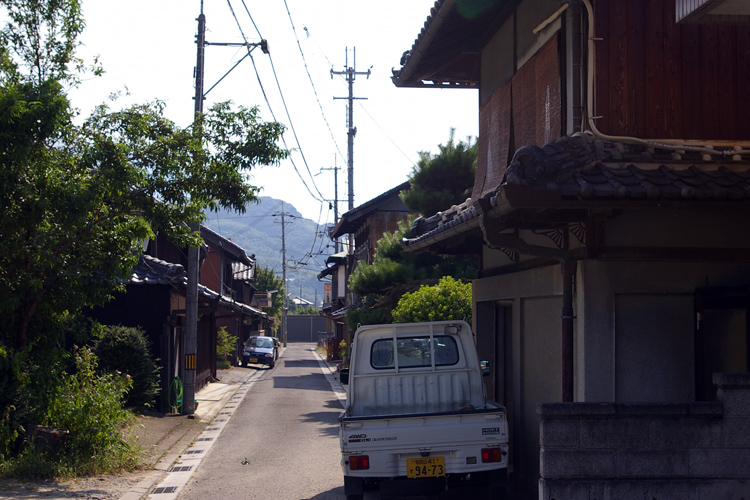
658 79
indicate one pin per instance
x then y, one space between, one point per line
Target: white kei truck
417 420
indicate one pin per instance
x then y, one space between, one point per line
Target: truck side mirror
485 365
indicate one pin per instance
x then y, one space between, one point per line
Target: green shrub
450 299
88 409
226 345
126 350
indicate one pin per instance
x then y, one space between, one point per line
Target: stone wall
691 451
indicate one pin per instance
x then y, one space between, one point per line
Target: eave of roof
446 53
336 260
230 302
352 219
228 245
581 172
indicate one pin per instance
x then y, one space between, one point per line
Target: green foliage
9 432
90 408
450 299
392 265
40 39
77 199
393 272
295 309
443 180
226 344
368 314
266 280
87 408
122 349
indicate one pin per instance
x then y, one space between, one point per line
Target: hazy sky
149 48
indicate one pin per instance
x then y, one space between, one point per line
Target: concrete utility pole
193 267
191 294
335 199
283 269
283 276
351 73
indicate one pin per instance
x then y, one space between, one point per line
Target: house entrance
721 326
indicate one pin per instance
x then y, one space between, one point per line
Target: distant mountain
258 231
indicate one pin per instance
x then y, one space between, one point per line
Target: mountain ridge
258 231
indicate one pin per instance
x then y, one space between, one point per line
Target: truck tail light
492 455
359 462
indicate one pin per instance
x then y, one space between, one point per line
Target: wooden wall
658 79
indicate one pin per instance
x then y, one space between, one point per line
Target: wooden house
611 213
154 300
364 225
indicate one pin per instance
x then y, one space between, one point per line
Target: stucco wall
535 298
635 327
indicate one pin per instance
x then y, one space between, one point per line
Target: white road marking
335 385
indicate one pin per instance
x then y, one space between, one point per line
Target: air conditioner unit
712 11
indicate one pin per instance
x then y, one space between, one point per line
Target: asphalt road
282 441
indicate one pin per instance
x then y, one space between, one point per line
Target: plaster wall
635 327
535 297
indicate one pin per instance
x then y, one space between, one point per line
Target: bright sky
149 47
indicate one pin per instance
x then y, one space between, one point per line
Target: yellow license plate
253 360
425 467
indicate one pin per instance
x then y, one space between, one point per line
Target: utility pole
191 293
193 267
283 276
351 73
335 199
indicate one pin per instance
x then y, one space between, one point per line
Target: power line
309 77
286 109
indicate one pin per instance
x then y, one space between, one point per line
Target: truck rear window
414 351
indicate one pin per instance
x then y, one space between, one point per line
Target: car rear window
414 352
257 342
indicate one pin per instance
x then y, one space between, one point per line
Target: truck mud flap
408 487
353 486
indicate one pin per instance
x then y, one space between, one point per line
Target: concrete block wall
690 451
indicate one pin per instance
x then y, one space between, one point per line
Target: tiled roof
582 171
584 167
229 302
153 271
446 52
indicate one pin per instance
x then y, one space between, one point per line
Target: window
414 351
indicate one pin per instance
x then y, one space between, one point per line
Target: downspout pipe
568 271
494 239
737 151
